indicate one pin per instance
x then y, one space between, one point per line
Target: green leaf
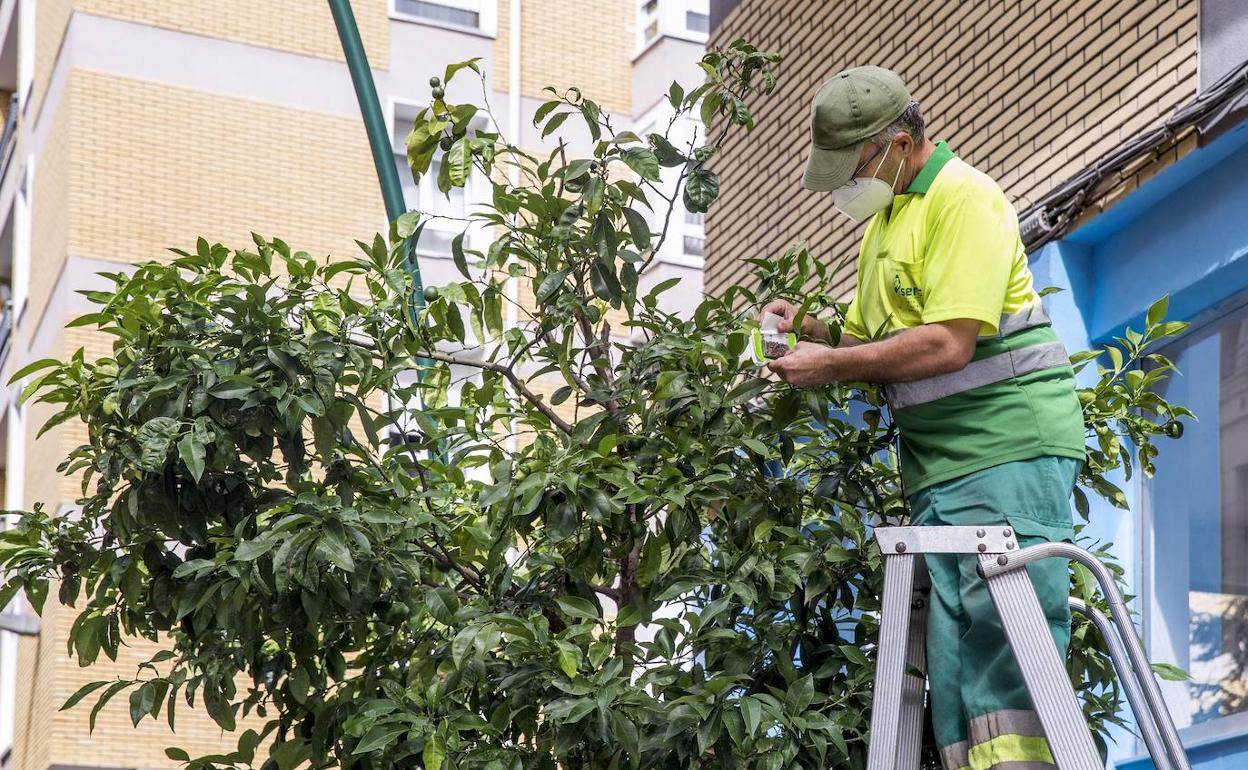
545 110
577 607
710 106
33 367
638 228
457 255
141 702
643 161
751 713
604 282
669 384
1170 672
434 753
551 283
628 616
194 566
250 550
91 319
177 754
675 95
107 695
379 737
81 693
336 547
192 452
155 438
407 223
701 190
745 391
666 152
1157 311
800 694
442 603
569 658
553 124
451 69
459 161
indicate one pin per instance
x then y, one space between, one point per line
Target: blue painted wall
1184 233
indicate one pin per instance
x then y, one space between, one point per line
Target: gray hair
910 122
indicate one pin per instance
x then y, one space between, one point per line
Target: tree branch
515 381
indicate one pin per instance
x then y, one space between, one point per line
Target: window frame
487 16
1150 573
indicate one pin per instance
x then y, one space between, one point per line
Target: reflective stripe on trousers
985 371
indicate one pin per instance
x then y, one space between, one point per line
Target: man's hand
812 328
808 365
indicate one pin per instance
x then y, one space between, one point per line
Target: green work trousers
981 712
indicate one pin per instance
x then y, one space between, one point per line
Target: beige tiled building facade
136 125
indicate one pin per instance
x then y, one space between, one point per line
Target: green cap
849 109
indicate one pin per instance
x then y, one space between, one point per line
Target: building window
697 22
472 15
695 233
1199 510
446 14
448 212
686 19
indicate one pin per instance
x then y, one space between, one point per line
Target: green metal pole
375 125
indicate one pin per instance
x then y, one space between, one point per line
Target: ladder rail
1145 719
914 688
991 568
1044 671
890 664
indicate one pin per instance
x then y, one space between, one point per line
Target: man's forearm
923 351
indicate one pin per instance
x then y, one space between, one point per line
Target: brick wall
585 43
1030 93
298 26
51 18
177 163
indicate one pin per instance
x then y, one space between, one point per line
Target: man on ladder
991 432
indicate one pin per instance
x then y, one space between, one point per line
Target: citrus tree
366 537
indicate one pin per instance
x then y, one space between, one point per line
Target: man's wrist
831 364
817 330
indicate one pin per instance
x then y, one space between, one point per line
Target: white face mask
862 198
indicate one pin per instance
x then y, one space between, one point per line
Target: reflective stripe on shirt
986 371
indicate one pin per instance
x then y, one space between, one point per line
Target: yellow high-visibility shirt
949 248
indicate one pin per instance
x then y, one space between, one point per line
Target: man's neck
918 159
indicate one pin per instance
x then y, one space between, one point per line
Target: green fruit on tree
398 613
1174 429
435 82
446 142
431 293
438 93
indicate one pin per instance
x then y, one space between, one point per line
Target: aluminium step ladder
898 700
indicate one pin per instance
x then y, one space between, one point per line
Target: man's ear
905 143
